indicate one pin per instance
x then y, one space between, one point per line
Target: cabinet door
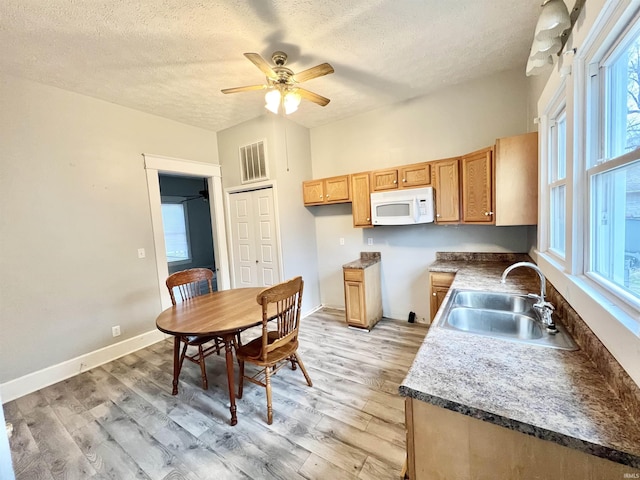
361 200
354 303
516 165
477 187
384 179
313 192
447 191
418 175
440 283
337 189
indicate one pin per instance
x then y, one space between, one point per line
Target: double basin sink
501 315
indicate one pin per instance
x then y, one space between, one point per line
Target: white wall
450 122
289 163
74 209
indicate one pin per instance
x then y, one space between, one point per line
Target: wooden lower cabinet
442 444
363 296
440 283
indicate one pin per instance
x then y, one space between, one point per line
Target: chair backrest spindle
287 298
188 283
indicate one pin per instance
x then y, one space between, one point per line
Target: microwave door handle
416 210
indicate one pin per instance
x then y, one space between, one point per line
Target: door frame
155 165
276 211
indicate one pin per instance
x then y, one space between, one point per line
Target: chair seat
252 350
198 339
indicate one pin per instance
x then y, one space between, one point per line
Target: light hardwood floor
120 421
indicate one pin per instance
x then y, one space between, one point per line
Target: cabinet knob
434 294
368 219
320 197
437 215
488 214
404 180
327 196
395 181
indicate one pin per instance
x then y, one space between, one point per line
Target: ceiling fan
282 83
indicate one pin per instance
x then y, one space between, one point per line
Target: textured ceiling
172 57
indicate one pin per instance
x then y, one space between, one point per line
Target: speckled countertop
366 260
555 395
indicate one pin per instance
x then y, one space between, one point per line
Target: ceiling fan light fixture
272 100
291 102
553 21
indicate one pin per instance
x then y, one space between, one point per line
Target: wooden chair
189 285
275 346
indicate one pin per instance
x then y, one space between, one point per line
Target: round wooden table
223 314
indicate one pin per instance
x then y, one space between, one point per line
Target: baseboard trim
48 376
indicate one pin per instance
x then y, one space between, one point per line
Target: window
176 236
557 183
613 169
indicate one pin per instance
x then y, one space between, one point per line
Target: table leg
228 347
176 364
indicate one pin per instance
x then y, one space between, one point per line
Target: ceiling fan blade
244 89
313 72
262 64
313 97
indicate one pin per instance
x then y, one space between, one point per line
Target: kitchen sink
494 301
501 315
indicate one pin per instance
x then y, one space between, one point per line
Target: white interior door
254 241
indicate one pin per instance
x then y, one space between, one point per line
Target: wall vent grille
253 163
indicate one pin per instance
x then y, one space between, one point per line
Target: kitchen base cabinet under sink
445 444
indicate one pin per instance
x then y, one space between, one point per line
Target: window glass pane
561 171
615 227
623 100
175 231
558 217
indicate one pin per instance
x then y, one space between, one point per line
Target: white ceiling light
272 100
553 20
288 98
552 31
291 102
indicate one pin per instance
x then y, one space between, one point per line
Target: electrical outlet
141 253
115 330
369 241
341 241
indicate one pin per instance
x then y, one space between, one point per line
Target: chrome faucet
543 308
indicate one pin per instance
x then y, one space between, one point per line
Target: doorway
156 165
186 221
254 238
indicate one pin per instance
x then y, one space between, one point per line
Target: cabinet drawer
442 279
354 274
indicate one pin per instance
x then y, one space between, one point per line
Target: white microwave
402 207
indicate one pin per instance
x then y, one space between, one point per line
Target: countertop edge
601 451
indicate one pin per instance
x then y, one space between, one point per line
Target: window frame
597 160
553 179
614 319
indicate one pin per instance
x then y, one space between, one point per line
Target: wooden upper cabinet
337 189
361 200
384 180
418 175
477 187
327 190
516 180
447 190
406 176
313 192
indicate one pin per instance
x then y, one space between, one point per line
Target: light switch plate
141 253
